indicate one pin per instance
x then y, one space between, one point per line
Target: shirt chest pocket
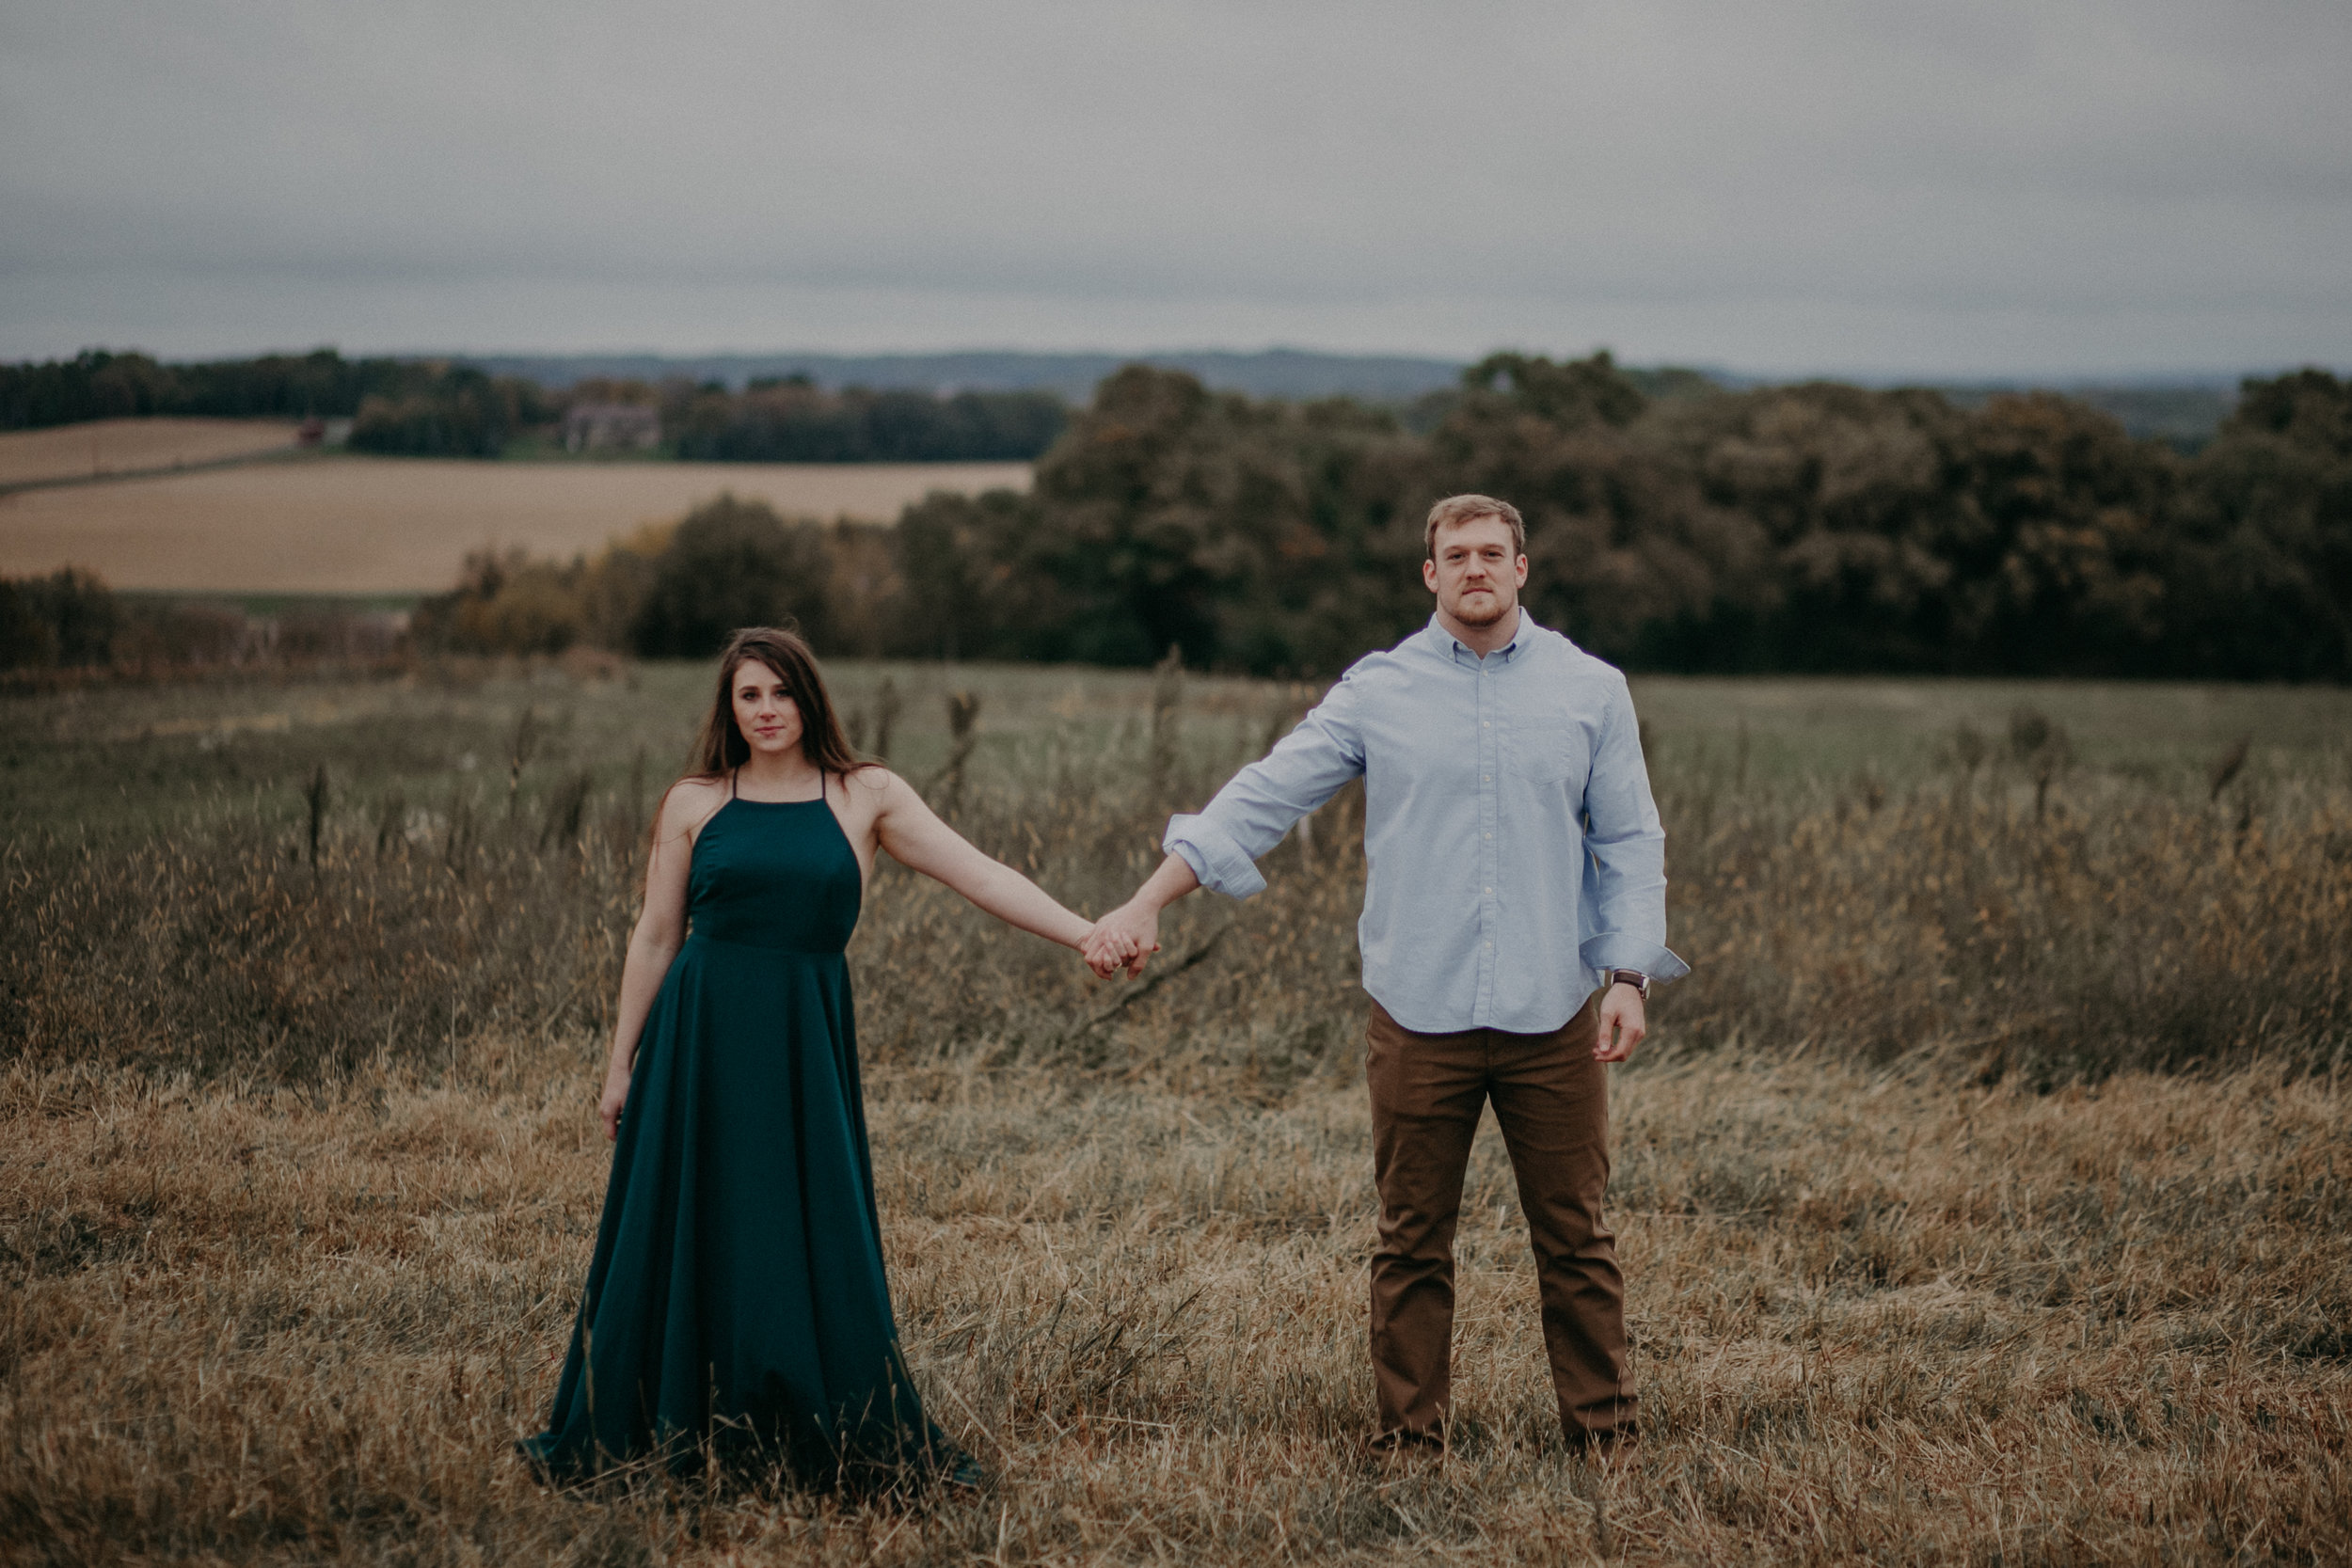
1547 749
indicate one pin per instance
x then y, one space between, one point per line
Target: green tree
2259 571
1828 497
734 563
445 411
69 617
959 595
1237 530
1626 554
2055 560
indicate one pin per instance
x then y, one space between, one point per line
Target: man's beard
1469 617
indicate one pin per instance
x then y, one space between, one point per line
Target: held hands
1124 939
1622 1023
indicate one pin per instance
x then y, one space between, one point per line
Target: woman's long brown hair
722 747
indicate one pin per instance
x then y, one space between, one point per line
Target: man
1514 918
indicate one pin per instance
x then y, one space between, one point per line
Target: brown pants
1551 1098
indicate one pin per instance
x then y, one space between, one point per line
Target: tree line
441 408
790 419
422 407
1820 527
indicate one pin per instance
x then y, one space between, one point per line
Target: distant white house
611 426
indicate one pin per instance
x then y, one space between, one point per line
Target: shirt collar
1449 647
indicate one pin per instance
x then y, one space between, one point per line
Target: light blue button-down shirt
1512 849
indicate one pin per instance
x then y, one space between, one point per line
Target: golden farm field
101 447
362 525
1984 1193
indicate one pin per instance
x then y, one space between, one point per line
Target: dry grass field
101 447
1983 1194
362 525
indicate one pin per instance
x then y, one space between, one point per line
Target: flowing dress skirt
735 1305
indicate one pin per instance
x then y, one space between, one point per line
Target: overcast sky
2040 187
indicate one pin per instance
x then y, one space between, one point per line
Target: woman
737 1299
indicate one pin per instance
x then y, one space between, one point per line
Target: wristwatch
1633 977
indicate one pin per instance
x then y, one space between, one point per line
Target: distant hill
2184 410
1279 372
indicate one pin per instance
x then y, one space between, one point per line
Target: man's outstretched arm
1218 848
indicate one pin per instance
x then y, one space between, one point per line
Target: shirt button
1490 889
1486 835
1484 726
1487 778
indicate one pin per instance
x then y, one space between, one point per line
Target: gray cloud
2065 186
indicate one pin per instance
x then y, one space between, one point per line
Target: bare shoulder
690 803
871 780
876 788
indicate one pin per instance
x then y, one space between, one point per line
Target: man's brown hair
1468 509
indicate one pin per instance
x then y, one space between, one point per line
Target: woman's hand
615 1095
1108 949
659 932
1128 936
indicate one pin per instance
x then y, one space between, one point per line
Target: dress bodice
774 874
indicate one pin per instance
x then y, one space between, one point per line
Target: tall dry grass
2120 927
2114 925
1983 1195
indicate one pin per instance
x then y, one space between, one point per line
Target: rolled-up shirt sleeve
1259 804
1624 869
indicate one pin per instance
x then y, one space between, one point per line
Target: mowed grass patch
1874 1316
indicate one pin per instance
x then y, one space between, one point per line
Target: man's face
1474 575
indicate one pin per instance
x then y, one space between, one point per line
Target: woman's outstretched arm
919 840
659 933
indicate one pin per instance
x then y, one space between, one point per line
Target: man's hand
1106 949
1124 938
1130 934
1622 1024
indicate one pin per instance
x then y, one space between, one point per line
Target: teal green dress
735 1303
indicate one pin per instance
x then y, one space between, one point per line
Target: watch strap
1633 977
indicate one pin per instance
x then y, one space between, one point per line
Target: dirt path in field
350 525
104 448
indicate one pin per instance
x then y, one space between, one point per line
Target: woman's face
765 711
